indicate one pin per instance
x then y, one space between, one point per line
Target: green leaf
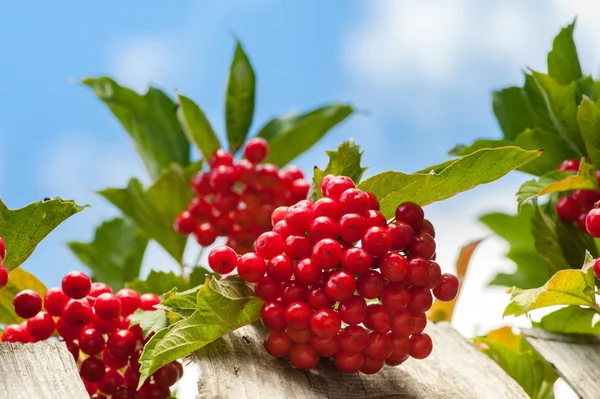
149 321
513 111
558 181
149 120
222 306
461 150
22 229
291 136
198 275
155 209
159 282
570 320
480 167
239 100
563 62
196 127
555 151
183 303
115 255
588 118
565 287
18 280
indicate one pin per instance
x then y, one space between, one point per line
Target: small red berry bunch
3 269
579 206
236 199
95 325
327 296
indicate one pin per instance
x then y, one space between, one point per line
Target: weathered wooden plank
575 358
236 366
43 370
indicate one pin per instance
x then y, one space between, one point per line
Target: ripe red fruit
569 165
267 289
592 222
269 244
324 183
371 366
393 266
73 349
77 313
298 217
356 260
98 288
15 333
307 272
326 207
323 227
568 209
107 306
278 344
300 336
223 260
377 317
167 375
267 176
149 301
447 289
395 296
278 215
282 229
402 323
279 268
325 323
349 362
67 331
352 227
92 369
76 285
130 301
2 249
91 341
420 346
428 228
370 285
352 339
337 185
421 300
41 326
402 234
220 157
256 150
304 357
121 343
418 272
251 267
354 200
586 198
377 241
298 247
317 297
112 361
353 311
327 253
375 218
423 246
294 292
298 315
326 346
184 223
596 269
111 382
3 275
410 213
222 178
401 349
205 235
435 275
27 303
379 346
340 286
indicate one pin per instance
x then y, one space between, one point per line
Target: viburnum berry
353 200
112 361
421 300
394 267
300 336
267 289
349 362
356 261
317 297
420 346
326 207
167 375
377 317
402 323
91 341
401 233
16 333
569 165
337 185
352 339
395 296
410 213
269 244
272 315
372 366
353 310
298 315
294 291
92 369
340 286
222 260
298 247
304 357
3 275
326 347
256 150
111 382
41 326
596 269
107 306
568 209
401 349
327 253
370 285
121 343
130 300
252 267
379 346
423 245
76 285
447 289
77 313
278 344
27 303
352 227
377 241
307 272
592 222
325 323
2 249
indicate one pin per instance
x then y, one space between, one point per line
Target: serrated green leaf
513 111
159 282
588 118
18 280
532 189
461 149
570 320
183 303
239 99
149 321
198 275
565 287
196 127
291 136
149 120
563 62
155 209
222 306
115 255
22 229
480 167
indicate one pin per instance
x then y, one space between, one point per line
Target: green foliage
239 99
150 321
222 306
588 118
115 255
18 280
563 62
159 282
480 167
22 229
290 136
154 209
149 120
570 320
513 111
196 127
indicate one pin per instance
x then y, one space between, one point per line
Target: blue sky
420 72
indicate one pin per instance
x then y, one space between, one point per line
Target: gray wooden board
236 366
43 370
576 358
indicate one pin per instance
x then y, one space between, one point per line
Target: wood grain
236 366
575 358
43 370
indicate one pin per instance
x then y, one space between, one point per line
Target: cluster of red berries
328 297
579 207
3 269
95 325
236 199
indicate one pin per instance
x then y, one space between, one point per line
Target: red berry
279 268
121 343
251 267
201 183
375 218
278 344
377 241
149 301
349 362
379 346
167 375
581 221
370 285
402 234
3 275
298 315
130 301
327 253
220 157
91 341
55 301
569 165
324 183
410 213
377 317
282 229
98 288
298 247
107 306
353 200
256 150
423 246
596 269
27 303
393 266
300 336
41 326
77 313
73 349
586 198
291 173
325 323
356 260
278 215
395 296
299 190
326 207
2 249
111 382
568 209
340 286
67 331
353 339
298 217
76 285
418 272
402 323
352 226
222 178
447 289
200 210
92 369
337 185
420 346
269 245
317 297
371 366
323 227
267 176
267 289
427 227
184 223
353 311
294 292
223 260
592 222
113 361
205 234
435 275
307 272
15 333
304 357
326 347
421 300
401 349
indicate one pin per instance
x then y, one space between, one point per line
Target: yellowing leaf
18 280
